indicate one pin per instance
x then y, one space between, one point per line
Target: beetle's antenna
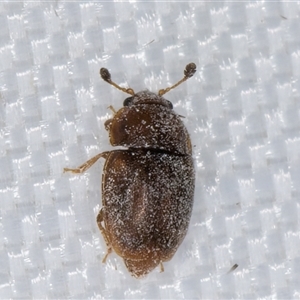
104 73
189 71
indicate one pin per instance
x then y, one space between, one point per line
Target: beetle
148 187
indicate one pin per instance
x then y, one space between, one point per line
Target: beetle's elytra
148 188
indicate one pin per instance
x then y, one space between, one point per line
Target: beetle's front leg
87 164
104 233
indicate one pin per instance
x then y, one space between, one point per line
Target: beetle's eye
127 101
170 104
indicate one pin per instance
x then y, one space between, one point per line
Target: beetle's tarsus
88 164
78 170
162 269
100 219
109 251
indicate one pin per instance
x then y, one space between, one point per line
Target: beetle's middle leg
88 163
104 233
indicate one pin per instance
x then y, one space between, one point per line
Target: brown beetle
148 188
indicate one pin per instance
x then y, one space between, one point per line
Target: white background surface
241 109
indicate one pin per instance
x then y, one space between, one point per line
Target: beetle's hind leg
162 269
104 233
88 163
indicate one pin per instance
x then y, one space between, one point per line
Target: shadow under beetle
148 188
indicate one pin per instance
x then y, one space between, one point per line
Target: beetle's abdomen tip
140 268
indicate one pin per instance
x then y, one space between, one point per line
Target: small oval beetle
148 188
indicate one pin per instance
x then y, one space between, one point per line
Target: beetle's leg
162 269
87 164
112 109
104 233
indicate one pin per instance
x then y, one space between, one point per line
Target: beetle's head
146 97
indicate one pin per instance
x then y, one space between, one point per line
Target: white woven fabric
242 111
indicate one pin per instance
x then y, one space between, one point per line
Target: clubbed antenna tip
105 75
189 71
